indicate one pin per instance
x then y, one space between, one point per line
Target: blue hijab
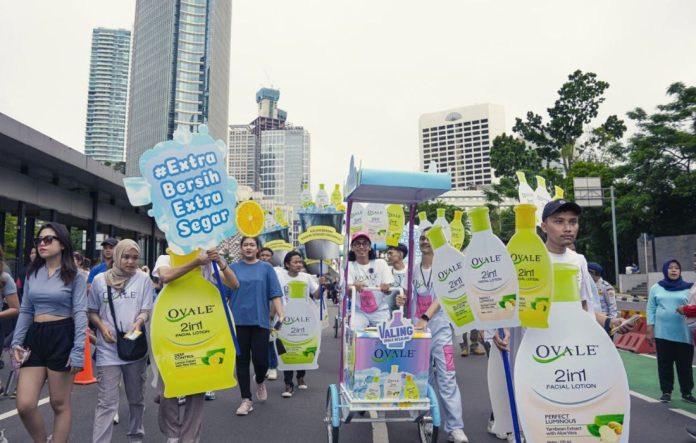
673 285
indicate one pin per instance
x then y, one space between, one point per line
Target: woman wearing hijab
131 294
668 330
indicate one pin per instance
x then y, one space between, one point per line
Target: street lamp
589 193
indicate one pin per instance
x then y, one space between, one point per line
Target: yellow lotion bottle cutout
458 231
395 215
442 221
336 197
533 267
190 337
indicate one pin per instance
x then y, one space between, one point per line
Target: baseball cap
359 234
560 205
596 267
400 247
110 241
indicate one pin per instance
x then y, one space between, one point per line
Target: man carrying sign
188 427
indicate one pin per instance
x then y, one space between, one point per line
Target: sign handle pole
511 391
321 291
225 307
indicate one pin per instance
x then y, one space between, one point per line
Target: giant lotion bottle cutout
395 214
301 331
458 231
541 196
534 270
448 281
191 341
442 221
570 382
491 281
525 192
376 222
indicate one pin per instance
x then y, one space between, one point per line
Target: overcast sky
358 74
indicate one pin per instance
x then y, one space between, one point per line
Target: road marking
684 413
644 397
14 412
380 434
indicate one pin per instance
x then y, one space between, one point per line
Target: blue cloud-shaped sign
193 199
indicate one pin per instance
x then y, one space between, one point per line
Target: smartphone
629 321
277 325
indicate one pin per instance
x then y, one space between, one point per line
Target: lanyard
430 277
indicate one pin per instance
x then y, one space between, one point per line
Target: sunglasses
45 240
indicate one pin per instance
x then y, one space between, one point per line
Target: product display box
375 372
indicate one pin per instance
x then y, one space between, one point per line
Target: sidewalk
642 378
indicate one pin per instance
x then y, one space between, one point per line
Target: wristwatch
425 317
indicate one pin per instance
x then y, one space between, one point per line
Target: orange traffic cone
86 376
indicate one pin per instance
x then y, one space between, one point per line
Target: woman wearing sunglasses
49 338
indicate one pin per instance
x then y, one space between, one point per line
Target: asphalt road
300 419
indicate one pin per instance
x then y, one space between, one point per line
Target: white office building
241 159
459 140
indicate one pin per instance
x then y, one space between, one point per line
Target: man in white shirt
561 223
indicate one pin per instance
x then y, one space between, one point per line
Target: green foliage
565 137
658 167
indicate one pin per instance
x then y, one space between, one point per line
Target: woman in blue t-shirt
258 284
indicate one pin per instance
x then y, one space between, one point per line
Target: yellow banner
321 233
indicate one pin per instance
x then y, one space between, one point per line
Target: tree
658 163
566 136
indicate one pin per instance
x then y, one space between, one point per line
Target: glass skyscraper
106 98
180 71
284 164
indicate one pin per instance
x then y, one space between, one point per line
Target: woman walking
120 302
49 338
667 329
293 263
258 284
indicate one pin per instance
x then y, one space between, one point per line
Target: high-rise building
105 125
180 71
284 164
459 140
241 160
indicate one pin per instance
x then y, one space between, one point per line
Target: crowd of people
60 298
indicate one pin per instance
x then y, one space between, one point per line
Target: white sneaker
245 408
261 392
489 429
458 436
272 374
210 396
511 437
116 418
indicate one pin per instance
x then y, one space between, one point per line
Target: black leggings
670 354
253 347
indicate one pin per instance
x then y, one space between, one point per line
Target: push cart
365 355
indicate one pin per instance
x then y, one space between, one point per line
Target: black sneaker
692 432
666 397
689 398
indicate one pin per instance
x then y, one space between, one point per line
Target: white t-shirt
165 260
374 273
584 279
400 277
135 297
284 279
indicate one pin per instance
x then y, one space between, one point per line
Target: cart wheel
332 418
426 431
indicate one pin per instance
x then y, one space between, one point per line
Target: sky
357 75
